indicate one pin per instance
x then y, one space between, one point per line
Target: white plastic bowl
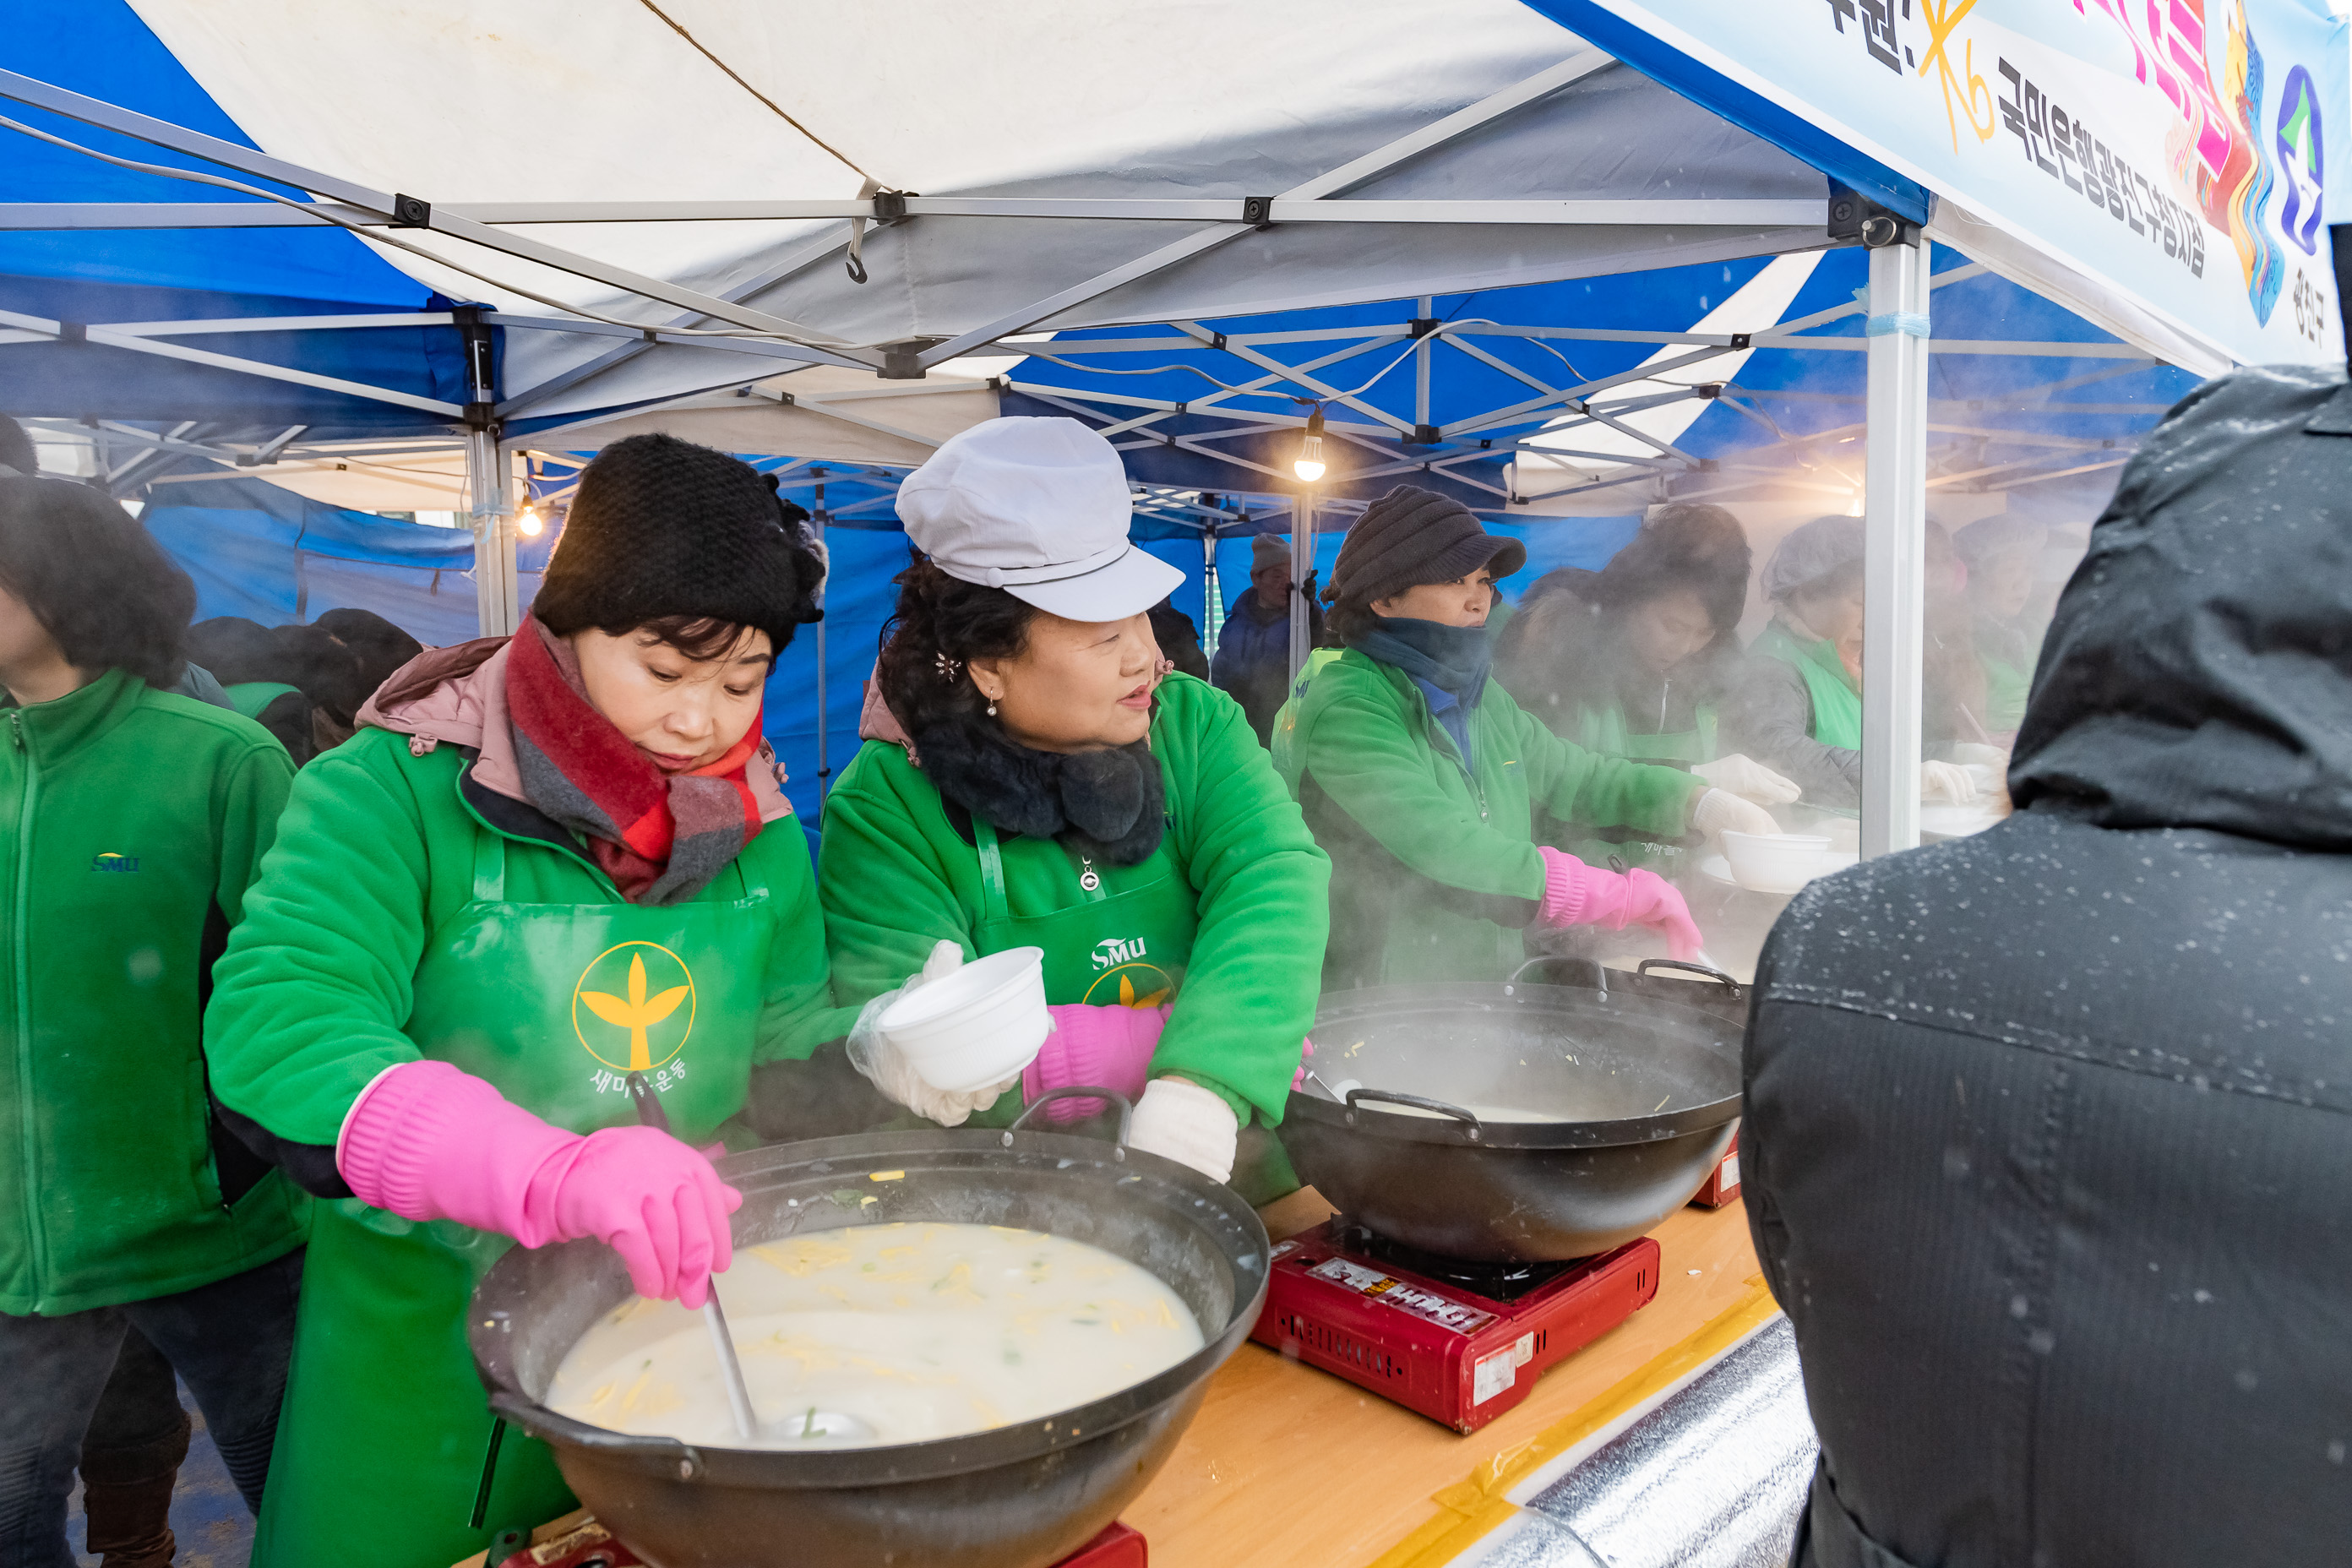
1775 862
976 1027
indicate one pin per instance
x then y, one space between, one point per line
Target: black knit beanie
662 526
1410 536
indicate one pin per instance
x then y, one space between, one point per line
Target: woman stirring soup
545 866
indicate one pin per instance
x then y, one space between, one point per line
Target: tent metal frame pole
1302 567
1895 547
489 482
823 718
403 211
1806 214
766 278
1332 183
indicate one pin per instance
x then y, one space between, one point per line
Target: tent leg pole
1211 602
824 755
490 480
1894 518
1302 566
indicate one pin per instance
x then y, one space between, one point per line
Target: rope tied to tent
1908 323
775 107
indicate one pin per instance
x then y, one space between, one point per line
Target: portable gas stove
1459 1342
580 1541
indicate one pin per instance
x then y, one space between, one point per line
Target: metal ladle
714 1316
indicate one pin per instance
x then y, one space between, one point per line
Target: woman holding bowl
1042 779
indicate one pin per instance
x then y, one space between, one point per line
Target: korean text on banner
2175 151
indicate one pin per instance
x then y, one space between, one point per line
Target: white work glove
1186 1123
1719 811
1749 779
1947 781
889 1071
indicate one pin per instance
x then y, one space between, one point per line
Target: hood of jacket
456 695
2198 670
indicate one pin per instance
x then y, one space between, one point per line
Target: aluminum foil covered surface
1713 1477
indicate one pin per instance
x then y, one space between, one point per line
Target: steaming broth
919 1331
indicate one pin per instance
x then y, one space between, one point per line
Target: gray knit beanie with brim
1410 536
1812 553
1268 550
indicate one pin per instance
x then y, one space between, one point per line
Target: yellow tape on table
1478 1505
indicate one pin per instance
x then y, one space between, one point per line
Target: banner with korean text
2176 152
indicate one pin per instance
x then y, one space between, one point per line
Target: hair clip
947 667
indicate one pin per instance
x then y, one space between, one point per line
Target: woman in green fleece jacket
549 875
1053 785
1421 777
134 821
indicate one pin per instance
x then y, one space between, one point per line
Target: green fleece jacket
897 877
131 822
375 851
1433 869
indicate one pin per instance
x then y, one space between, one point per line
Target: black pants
228 1341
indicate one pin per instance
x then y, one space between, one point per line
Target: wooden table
1287 1467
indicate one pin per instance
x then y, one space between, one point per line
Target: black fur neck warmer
1108 805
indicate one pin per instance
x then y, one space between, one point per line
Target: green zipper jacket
1434 870
897 877
134 821
375 852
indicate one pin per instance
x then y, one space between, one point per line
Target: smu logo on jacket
633 1008
1125 977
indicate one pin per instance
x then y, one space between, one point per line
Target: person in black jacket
2049 1131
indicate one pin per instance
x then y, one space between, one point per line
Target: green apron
1604 730
2007 685
1126 949
380 1447
1837 704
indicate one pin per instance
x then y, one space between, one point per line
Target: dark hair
323 669
376 645
17 449
1685 545
94 579
939 617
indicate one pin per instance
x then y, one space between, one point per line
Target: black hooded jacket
2047 1149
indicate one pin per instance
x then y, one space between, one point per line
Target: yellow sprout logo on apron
1138 982
637 998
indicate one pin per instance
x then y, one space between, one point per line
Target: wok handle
1718 975
1477 1128
1078 1092
1589 973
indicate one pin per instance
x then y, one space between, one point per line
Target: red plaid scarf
660 836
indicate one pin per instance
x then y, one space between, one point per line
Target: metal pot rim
1368 1120
832 1469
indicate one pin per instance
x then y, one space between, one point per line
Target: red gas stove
1459 1342
579 1541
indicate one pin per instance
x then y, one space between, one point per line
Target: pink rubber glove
1576 894
1110 1046
428 1142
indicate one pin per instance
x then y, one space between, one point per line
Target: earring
991 710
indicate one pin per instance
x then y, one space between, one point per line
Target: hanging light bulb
530 522
1308 464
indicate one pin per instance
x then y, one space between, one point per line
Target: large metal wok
1016 1497
1636 1097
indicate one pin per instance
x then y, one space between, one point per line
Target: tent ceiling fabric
1054 100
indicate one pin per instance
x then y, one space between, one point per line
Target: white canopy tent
659 202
